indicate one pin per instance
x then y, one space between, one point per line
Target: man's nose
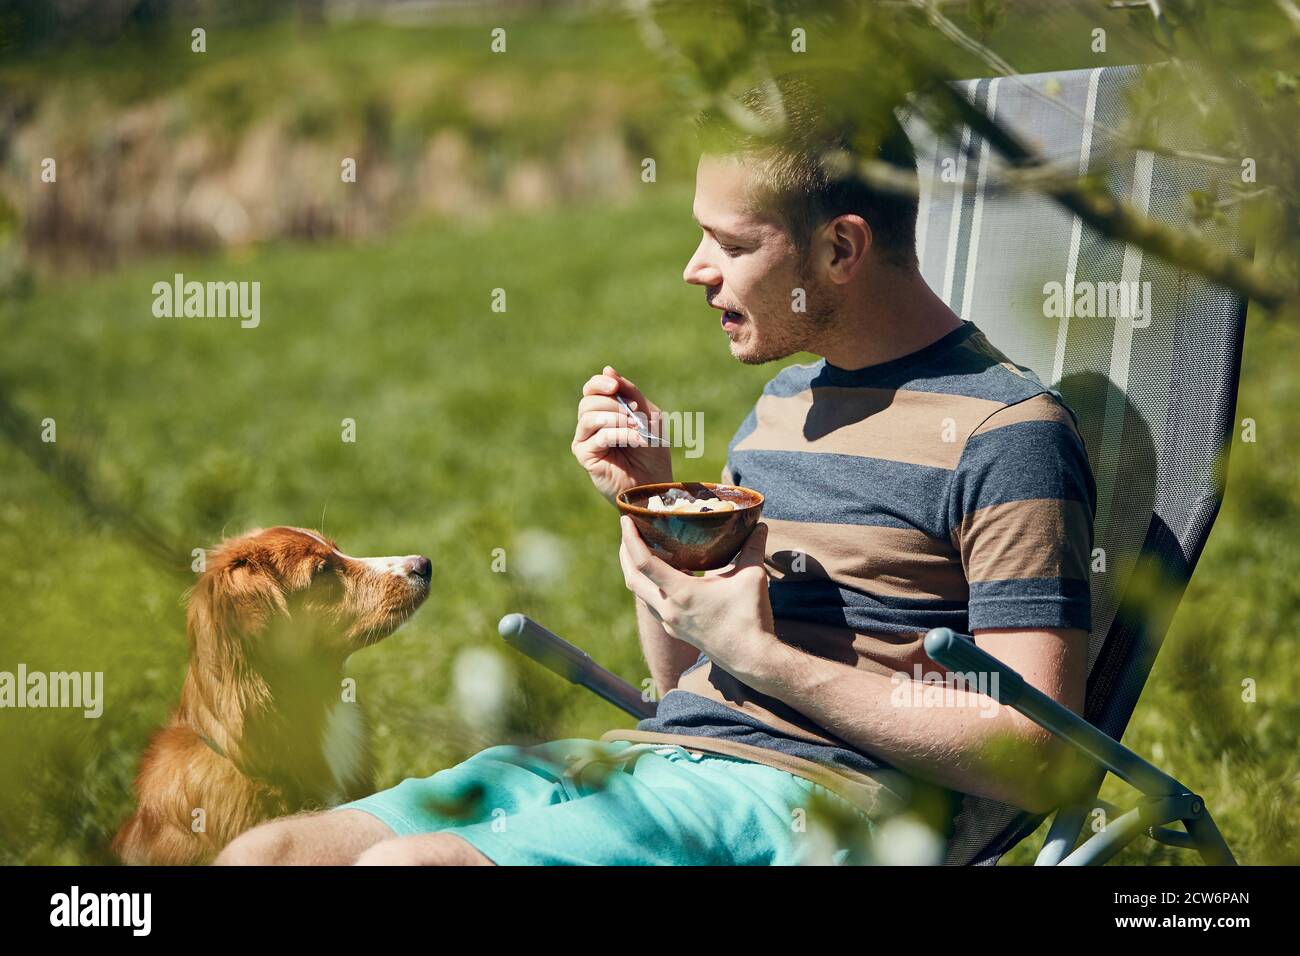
699 271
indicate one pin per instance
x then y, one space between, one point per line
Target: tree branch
1095 205
1005 69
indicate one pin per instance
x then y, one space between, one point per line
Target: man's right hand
606 442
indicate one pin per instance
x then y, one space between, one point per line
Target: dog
266 726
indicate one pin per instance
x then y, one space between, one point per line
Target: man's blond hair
805 172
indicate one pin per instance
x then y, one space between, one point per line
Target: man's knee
268 844
430 849
329 838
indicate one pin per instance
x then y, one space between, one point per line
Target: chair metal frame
1164 800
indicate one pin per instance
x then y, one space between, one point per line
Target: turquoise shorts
588 802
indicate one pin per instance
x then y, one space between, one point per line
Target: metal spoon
641 429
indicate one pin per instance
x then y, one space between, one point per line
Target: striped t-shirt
945 488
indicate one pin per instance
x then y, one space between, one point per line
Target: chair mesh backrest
1154 391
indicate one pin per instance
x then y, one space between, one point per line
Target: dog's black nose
420 565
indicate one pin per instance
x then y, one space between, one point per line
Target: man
914 478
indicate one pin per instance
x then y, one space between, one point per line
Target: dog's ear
235 597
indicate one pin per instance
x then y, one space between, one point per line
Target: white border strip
954 225
926 185
972 257
1076 230
1121 347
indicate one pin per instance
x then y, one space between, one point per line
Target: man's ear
849 240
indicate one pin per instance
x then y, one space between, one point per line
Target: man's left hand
724 613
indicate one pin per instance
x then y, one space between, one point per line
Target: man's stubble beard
800 334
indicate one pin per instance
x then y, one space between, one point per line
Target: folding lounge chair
1155 394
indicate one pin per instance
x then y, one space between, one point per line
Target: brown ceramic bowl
702 541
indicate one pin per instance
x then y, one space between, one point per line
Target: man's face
749 269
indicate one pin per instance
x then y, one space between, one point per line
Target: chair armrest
573 664
959 653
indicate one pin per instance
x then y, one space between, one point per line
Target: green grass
365 82
464 418
365 86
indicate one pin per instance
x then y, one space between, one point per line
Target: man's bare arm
1005 756
666 656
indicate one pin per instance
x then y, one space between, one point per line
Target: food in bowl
681 501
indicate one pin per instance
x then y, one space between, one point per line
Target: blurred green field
464 418
463 422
